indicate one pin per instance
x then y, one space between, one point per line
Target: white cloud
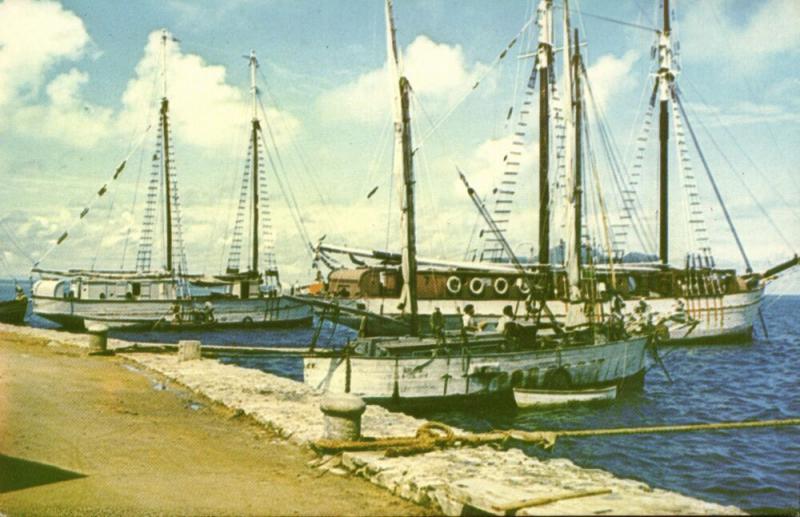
66 117
485 166
611 76
708 32
205 109
33 37
743 113
437 72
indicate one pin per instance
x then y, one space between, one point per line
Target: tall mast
404 172
256 127
664 79
165 151
576 72
572 164
545 58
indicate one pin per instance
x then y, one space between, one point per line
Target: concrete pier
189 350
452 481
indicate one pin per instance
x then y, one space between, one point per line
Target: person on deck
506 322
437 323
468 323
176 313
20 294
643 316
208 311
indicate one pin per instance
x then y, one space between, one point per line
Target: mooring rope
435 435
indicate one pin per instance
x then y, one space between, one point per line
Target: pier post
342 416
98 338
189 350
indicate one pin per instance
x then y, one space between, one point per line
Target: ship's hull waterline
147 314
440 377
725 318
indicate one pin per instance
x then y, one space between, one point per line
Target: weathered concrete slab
454 480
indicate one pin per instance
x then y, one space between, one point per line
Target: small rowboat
534 398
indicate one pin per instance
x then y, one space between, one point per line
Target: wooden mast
545 58
665 78
165 152
576 71
572 163
404 172
256 127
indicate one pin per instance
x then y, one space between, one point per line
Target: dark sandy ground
84 435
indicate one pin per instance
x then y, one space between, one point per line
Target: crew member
208 311
437 323
506 322
468 322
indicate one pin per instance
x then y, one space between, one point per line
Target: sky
80 83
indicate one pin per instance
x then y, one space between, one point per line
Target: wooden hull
720 319
147 314
535 398
13 311
441 377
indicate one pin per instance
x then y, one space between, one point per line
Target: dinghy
525 398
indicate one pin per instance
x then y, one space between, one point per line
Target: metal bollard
98 338
342 416
189 350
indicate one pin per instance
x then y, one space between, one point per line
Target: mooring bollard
98 338
342 416
188 350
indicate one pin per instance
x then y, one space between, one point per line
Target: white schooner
591 352
166 297
724 302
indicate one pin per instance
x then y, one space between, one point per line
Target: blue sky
76 89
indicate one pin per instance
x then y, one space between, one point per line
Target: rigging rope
222 228
603 209
15 243
314 179
633 209
767 181
486 73
610 20
677 98
145 117
100 193
434 435
288 194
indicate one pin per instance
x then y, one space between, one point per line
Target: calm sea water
755 469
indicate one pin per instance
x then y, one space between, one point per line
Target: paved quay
452 481
94 435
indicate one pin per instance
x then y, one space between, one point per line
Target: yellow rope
434 435
682 428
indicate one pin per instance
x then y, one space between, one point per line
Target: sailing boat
150 298
463 366
723 302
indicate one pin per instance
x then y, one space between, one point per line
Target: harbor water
757 470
